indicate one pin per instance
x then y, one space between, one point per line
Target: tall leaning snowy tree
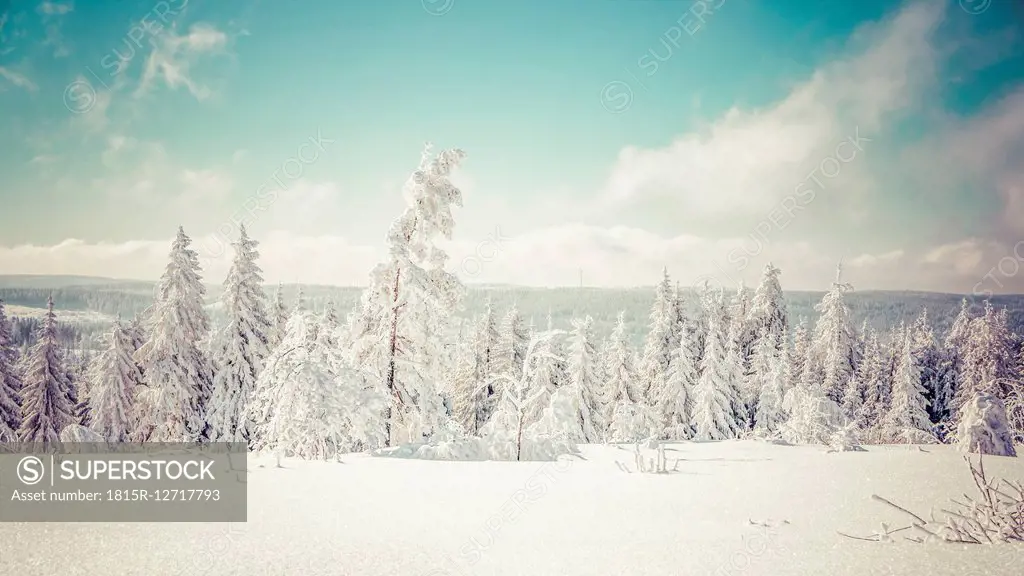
178 372
410 290
243 345
114 377
47 406
10 381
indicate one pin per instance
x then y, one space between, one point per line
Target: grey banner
86 482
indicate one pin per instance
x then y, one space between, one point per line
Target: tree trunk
392 347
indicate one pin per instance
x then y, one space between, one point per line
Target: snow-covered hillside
732 508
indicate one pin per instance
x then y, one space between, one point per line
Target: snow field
578 516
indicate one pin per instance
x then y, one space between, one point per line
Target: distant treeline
883 311
105 300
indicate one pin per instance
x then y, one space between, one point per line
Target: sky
604 139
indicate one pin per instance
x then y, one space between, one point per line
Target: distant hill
109 297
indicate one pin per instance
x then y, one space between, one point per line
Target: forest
404 369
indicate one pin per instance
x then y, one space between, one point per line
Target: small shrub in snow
996 515
657 464
984 428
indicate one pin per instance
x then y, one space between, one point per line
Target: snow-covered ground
579 516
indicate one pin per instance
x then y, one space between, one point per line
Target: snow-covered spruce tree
408 291
735 366
768 317
742 334
907 419
583 379
513 339
628 418
813 418
988 360
47 406
853 403
486 344
322 407
834 347
548 373
679 322
660 341
716 395
467 394
279 317
954 350
10 381
874 375
796 355
928 356
675 403
762 364
178 373
114 377
771 414
243 345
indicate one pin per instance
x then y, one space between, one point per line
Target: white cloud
18 79
748 160
173 56
615 256
52 14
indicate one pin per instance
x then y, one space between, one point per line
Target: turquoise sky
613 136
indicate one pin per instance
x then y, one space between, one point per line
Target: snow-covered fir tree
907 418
928 354
716 395
243 345
548 372
675 402
279 317
178 372
875 380
10 381
739 327
736 366
660 341
114 377
411 290
583 379
322 406
834 348
628 418
796 355
467 394
853 402
768 316
487 353
762 364
619 383
813 418
770 360
988 358
513 339
47 406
